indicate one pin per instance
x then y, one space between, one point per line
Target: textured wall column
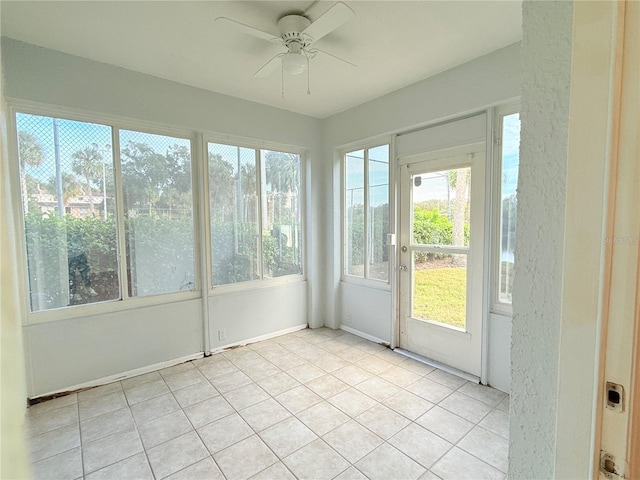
546 75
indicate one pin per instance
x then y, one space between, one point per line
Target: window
158 217
509 156
255 213
66 177
72 225
366 213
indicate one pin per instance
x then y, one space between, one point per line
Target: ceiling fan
297 34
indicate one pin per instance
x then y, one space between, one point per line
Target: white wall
73 351
499 351
365 310
248 314
487 81
546 71
568 59
12 376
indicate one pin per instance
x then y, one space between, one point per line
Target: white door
441 256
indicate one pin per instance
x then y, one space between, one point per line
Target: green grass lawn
440 295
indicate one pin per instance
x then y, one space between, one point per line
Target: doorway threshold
436 364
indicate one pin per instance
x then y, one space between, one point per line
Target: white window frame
365 279
498 306
200 204
257 146
125 302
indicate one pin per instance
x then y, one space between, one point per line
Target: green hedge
161 250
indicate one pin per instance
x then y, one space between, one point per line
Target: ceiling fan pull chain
308 75
282 79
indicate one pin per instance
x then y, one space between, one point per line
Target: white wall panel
365 309
252 313
72 352
499 352
452 134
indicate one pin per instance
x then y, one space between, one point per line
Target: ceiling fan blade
249 30
323 53
269 67
333 18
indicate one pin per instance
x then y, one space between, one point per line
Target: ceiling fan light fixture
294 63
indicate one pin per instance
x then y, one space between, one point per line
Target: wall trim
116 377
259 338
364 335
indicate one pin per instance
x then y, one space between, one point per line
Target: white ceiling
393 43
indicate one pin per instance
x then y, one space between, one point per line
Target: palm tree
29 153
282 172
459 180
88 162
71 187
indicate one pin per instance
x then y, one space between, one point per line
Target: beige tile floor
314 404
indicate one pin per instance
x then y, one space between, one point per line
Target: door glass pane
440 288
509 202
354 214
378 212
281 222
66 179
233 200
158 209
440 202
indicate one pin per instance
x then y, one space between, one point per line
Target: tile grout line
291 345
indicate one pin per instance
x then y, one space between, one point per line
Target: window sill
367 283
103 308
256 285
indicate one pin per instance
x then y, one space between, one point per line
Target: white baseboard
258 338
120 376
441 366
158 366
364 335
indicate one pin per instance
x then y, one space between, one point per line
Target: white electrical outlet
222 334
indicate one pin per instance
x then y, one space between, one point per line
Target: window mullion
262 210
120 217
366 230
345 215
203 199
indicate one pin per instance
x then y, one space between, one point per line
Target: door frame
488 136
434 160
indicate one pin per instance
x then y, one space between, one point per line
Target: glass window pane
441 207
66 176
378 212
233 201
508 203
281 216
354 213
158 210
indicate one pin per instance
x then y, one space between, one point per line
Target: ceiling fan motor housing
291 28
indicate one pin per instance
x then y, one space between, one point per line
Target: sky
434 186
74 136
510 153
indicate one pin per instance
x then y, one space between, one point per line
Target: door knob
403 268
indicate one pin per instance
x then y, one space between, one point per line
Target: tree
459 179
88 163
221 187
30 153
145 174
282 172
71 187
